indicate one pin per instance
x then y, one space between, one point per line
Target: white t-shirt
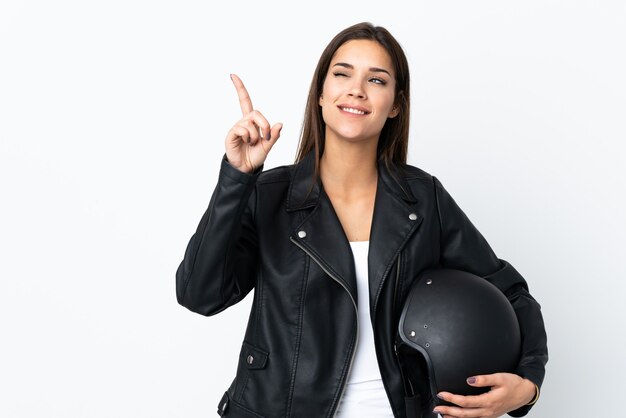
364 396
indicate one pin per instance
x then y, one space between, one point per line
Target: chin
353 137
352 134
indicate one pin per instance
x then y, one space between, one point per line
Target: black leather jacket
272 232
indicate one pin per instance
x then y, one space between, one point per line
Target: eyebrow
373 69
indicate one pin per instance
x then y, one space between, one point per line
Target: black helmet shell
462 325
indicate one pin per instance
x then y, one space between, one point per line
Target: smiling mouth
353 110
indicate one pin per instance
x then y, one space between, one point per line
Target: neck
348 166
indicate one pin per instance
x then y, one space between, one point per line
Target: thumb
483 380
275 133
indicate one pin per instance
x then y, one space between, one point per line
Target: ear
395 111
321 100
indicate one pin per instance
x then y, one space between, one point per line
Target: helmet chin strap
418 403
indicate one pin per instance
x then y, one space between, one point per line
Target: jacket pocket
254 357
252 360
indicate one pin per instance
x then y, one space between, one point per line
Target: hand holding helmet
508 392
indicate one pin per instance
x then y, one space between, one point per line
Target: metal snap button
412 216
250 359
301 234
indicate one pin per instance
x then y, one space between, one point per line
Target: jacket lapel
321 235
395 220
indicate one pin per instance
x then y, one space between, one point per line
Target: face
358 92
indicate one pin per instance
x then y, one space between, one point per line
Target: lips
355 110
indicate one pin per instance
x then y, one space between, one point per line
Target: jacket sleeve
464 248
220 262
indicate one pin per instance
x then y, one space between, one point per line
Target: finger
261 123
244 98
238 132
274 135
275 132
470 401
253 130
452 411
484 380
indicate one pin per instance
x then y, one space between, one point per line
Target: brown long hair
394 137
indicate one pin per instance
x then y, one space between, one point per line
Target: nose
356 90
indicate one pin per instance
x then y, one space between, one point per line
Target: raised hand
249 141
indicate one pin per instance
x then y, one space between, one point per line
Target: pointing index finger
244 97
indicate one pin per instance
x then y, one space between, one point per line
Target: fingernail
471 380
439 396
268 136
436 411
231 76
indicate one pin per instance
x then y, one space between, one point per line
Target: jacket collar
303 196
320 233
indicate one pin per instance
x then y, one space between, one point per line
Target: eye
376 80
339 74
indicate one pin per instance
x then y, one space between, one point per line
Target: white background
112 122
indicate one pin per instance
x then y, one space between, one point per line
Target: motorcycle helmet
454 325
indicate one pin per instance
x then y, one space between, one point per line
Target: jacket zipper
343 385
393 311
395 343
395 290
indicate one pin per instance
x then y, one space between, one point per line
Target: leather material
276 232
463 326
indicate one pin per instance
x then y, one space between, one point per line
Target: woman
331 245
